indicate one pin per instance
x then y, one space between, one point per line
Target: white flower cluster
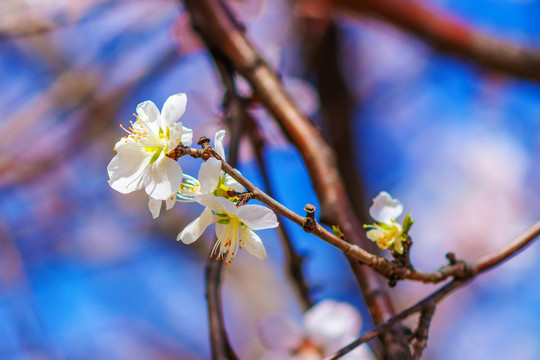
142 162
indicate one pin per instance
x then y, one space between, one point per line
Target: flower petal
233 184
127 169
218 204
281 332
154 206
218 144
253 243
257 217
164 179
173 109
176 133
187 136
209 174
194 229
330 321
384 208
147 111
169 203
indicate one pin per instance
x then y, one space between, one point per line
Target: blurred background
85 273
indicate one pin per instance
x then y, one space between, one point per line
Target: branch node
451 258
204 142
309 221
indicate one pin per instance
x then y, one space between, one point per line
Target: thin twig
380 264
483 264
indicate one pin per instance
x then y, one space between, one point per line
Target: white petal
187 136
218 204
173 109
154 206
235 185
384 208
209 174
330 321
218 144
127 169
194 229
253 243
147 111
280 332
176 134
257 217
169 203
164 179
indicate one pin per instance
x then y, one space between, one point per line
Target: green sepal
407 223
223 221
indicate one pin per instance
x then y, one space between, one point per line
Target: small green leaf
337 231
407 223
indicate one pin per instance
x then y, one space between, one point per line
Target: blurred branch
89 113
293 260
219 30
239 121
322 45
452 36
221 348
219 343
422 331
428 304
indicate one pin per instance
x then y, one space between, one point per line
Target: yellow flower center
230 240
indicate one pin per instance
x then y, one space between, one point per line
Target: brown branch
389 269
451 36
219 30
422 331
293 261
489 261
221 348
483 264
323 51
219 343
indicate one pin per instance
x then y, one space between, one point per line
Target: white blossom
234 226
211 179
141 160
387 233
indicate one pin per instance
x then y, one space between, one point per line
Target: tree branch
483 264
451 36
219 30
